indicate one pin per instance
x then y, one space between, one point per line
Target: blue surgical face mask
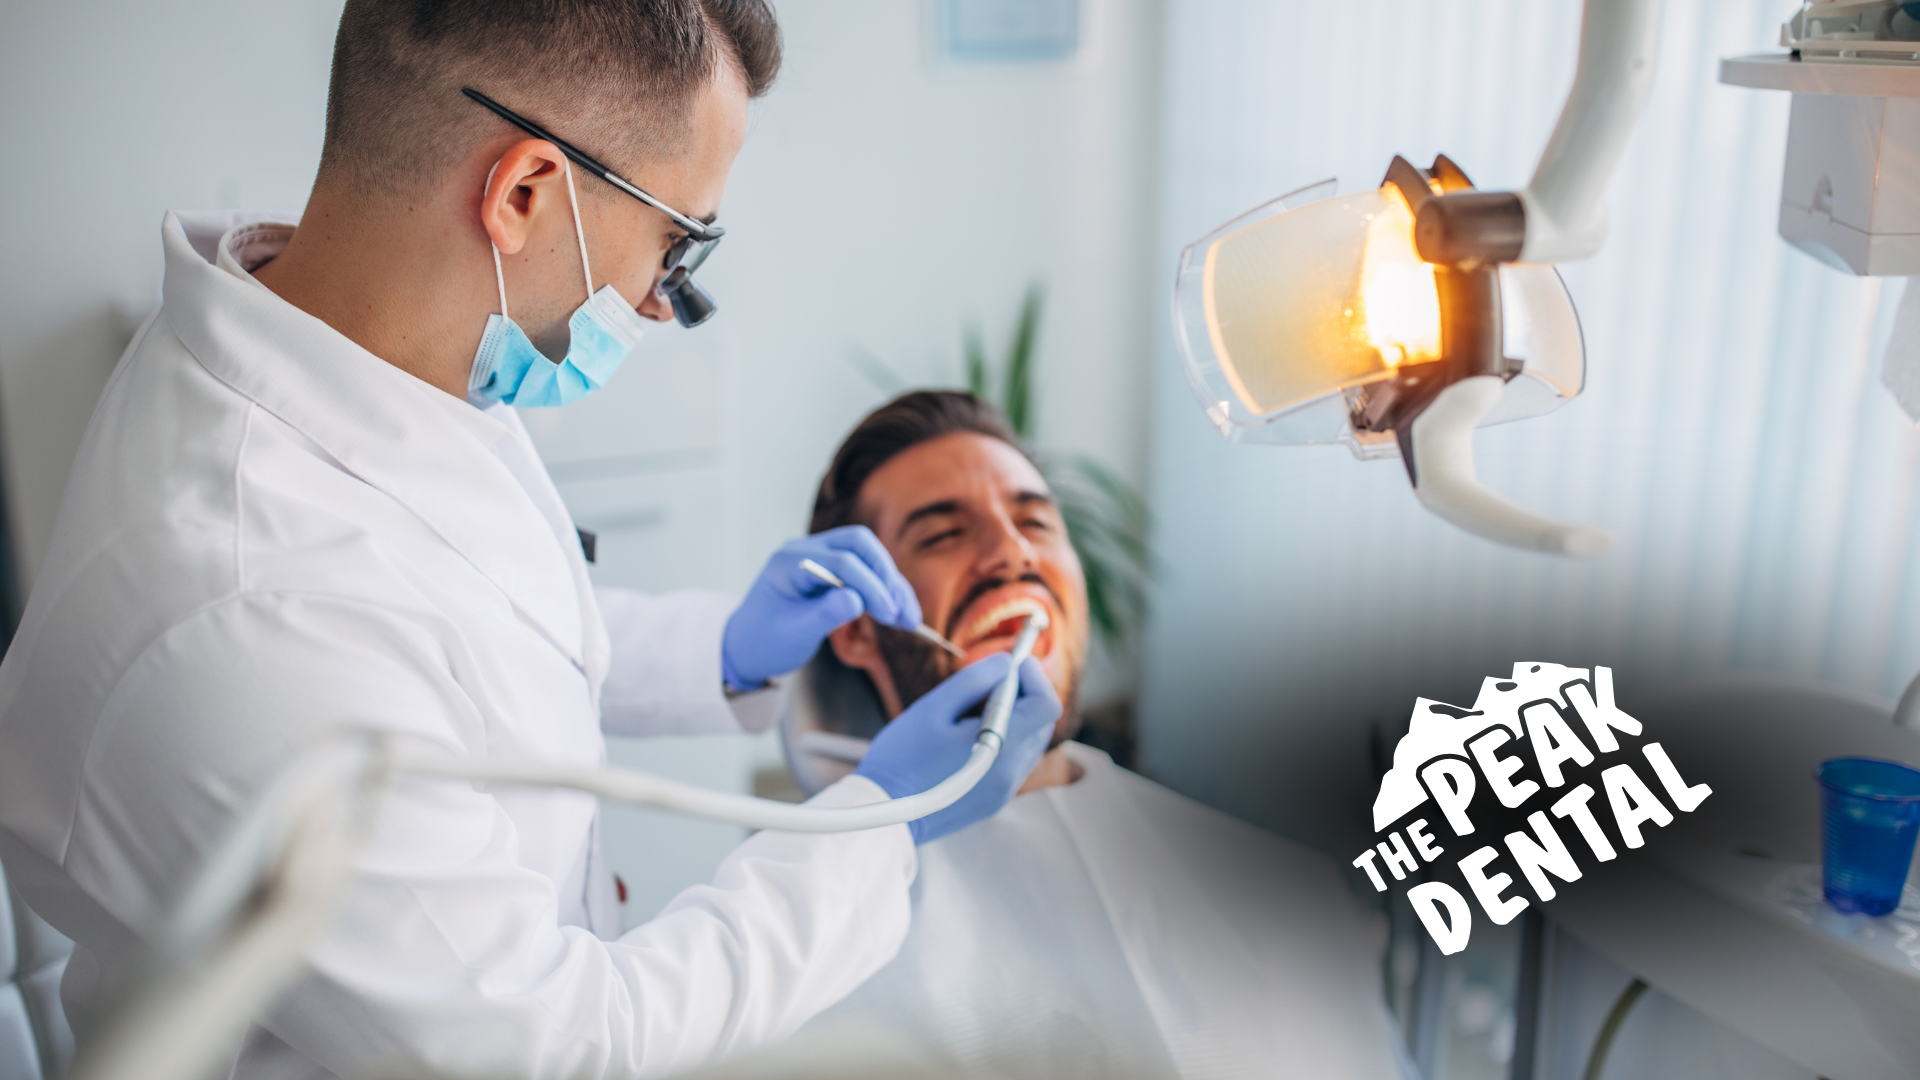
603 330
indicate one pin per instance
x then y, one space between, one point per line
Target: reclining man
1100 924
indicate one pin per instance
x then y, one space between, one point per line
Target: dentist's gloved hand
789 612
929 742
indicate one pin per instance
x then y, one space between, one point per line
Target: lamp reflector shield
1285 299
1281 311
1540 328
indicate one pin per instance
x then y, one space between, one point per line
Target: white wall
885 199
117 111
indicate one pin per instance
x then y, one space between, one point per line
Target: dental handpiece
1000 706
923 630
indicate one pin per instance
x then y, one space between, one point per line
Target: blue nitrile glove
928 743
789 612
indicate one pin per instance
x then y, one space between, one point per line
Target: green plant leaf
1110 527
1112 626
1018 402
976 359
1132 520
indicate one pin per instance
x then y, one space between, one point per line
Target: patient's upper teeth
1016 607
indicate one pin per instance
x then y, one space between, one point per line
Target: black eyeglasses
692 305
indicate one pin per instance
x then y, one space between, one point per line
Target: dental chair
35 1043
831 716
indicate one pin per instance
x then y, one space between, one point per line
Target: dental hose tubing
351 767
239 932
642 789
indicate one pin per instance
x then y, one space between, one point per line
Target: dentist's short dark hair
893 428
616 78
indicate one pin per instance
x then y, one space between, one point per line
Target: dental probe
923 630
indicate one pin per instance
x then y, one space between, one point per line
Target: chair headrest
832 713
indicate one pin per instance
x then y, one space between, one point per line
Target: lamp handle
1445 481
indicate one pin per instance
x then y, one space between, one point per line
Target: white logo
1449 753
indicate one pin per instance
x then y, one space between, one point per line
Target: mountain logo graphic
1529 752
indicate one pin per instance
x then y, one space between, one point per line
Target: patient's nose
1005 550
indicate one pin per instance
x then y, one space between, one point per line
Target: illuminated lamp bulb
1399 309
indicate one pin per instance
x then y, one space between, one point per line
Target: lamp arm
1565 217
1445 481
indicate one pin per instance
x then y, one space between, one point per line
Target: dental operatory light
1315 319
1399 319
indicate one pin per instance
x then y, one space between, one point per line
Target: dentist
305 500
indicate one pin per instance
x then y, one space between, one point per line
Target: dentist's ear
527 179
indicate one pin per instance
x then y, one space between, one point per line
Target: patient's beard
918 667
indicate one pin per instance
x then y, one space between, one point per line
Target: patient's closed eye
951 533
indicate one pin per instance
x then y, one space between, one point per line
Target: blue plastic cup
1869 816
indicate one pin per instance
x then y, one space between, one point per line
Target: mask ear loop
573 202
499 278
580 234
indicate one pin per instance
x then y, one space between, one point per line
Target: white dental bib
1112 928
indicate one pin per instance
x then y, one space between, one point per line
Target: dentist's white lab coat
269 530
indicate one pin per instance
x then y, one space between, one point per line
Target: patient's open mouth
1000 619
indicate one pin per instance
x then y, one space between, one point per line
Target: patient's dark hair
616 78
893 428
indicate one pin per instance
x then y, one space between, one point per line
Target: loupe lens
692 305
676 252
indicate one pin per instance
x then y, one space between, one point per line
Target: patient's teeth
1017 607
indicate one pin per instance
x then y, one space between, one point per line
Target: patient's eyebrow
1026 497
947 506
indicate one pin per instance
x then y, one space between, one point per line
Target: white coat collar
422 447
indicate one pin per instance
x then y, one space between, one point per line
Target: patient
1100 925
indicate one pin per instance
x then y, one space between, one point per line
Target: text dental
1451 781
